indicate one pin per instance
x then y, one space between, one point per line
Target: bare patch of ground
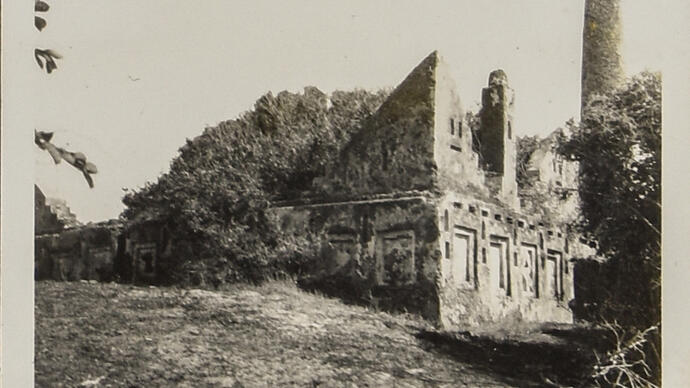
112 335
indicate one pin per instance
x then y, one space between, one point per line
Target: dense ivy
215 196
526 145
618 145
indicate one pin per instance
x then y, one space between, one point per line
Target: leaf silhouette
37 55
49 57
40 23
41 6
53 53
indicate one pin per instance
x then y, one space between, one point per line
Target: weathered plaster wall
498 140
498 264
51 215
457 163
145 251
554 183
456 260
395 150
83 253
550 168
45 221
103 252
438 233
382 252
419 140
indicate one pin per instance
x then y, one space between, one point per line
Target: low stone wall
82 253
103 252
455 260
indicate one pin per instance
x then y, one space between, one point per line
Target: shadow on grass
550 357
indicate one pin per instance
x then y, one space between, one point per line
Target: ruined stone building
64 249
550 182
421 217
421 213
67 250
51 214
418 215
103 251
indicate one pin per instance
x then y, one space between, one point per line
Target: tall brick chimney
602 67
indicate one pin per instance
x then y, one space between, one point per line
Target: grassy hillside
271 335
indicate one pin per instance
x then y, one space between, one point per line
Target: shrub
215 199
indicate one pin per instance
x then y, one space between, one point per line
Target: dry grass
273 335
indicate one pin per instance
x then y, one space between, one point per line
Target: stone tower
602 68
498 145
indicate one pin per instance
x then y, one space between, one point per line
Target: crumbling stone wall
381 251
417 140
144 253
456 162
45 221
104 251
497 140
82 253
454 259
553 184
500 264
395 150
419 223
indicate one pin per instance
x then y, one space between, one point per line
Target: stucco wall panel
520 239
394 257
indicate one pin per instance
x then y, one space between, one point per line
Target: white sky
201 62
